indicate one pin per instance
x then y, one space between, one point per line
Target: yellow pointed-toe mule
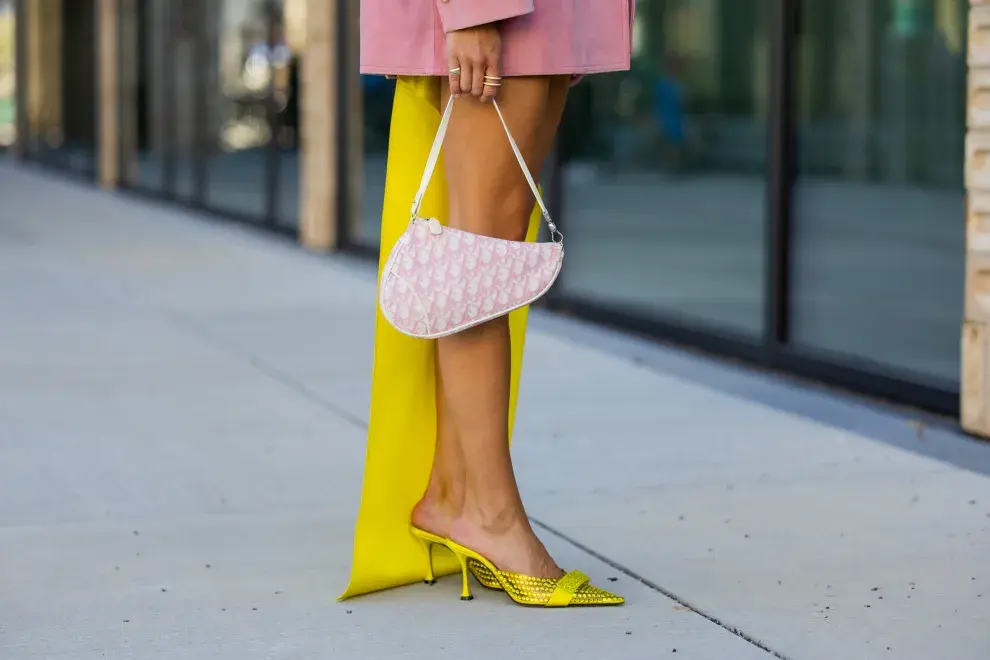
572 590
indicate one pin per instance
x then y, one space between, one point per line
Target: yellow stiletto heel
572 590
465 584
481 574
428 540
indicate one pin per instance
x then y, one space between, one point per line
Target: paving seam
659 589
362 424
267 370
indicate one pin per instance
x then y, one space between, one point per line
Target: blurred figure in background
668 111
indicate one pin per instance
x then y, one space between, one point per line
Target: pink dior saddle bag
439 280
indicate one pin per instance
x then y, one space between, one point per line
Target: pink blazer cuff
460 14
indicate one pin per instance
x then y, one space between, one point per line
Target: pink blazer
539 37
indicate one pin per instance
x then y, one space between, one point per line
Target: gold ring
495 78
455 71
491 84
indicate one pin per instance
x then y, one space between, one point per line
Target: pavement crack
270 371
659 589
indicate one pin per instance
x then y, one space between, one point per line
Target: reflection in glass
241 131
289 27
377 93
145 77
8 75
878 238
152 89
61 83
188 22
663 168
44 75
79 42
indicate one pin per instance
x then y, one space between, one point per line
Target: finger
492 82
467 71
454 75
478 69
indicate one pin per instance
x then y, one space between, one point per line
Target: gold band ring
492 84
493 78
455 71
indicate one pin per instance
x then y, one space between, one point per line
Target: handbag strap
431 163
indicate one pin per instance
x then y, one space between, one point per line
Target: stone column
108 97
975 376
318 128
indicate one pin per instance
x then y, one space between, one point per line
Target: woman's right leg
489 196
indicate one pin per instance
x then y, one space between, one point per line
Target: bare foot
433 515
510 543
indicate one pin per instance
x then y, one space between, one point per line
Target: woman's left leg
444 495
443 498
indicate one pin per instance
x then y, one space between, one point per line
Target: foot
433 515
510 544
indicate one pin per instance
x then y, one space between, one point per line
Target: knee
497 206
513 210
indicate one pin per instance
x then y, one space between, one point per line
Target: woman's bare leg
472 472
444 495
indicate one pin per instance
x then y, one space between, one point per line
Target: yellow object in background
402 428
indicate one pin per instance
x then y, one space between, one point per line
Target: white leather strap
431 163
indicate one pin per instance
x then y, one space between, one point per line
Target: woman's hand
472 55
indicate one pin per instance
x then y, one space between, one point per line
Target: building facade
782 181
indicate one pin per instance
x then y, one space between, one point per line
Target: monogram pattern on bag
436 284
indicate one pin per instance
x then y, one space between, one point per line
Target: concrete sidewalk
182 420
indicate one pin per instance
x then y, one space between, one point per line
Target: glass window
46 131
145 79
188 22
78 82
289 29
377 94
371 98
237 109
8 75
60 83
663 168
879 206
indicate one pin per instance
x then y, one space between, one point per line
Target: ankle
432 516
439 505
443 496
504 536
492 517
